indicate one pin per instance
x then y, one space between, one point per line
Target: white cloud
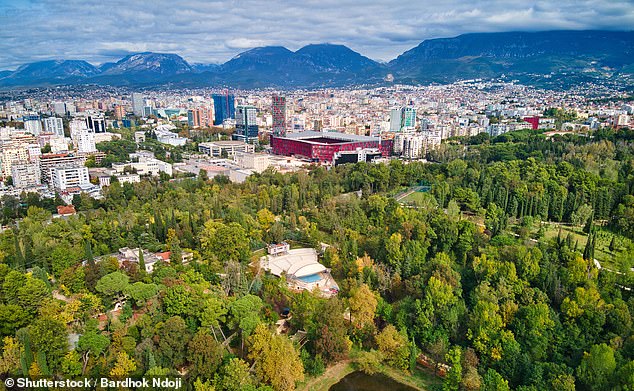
204 31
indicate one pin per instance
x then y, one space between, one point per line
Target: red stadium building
321 146
534 121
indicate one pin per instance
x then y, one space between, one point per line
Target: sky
202 31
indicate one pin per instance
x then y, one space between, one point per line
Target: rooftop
328 137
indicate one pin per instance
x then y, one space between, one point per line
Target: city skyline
203 32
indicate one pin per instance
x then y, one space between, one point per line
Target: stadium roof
345 137
297 263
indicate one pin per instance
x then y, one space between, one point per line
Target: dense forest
491 270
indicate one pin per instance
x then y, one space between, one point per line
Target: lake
360 381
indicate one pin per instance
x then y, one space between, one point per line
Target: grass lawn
601 252
417 197
420 379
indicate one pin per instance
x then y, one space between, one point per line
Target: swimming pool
310 278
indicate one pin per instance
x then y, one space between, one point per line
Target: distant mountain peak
161 63
564 56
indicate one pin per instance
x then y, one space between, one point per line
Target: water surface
360 381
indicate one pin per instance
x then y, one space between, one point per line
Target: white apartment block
33 126
83 137
64 178
86 141
54 125
413 146
34 151
416 145
26 175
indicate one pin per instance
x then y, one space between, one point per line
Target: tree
141 292
10 360
123 366
141 261
612 246
234 376
213 312
597 367
71 366
363 304
369 361
276 361
245 314
12 318
225 242
330 335
172 342
453 378
113 285
50 337
92 344
496 219
393 347
32 294
625 376
205 354
493 381
581 215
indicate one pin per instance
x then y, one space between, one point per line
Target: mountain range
539 58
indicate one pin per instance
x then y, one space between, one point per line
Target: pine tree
141 260
588 252
91 272
589 224
20 263
88 253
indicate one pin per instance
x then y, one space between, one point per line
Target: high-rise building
96 123
83 137
196 118
278 108
408 118
59 108
395 120
148 111
137 104
246 124
32 124
224 108
119 112
54 125
70 107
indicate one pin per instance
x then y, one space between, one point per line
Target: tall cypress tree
20 264
141 260
589 224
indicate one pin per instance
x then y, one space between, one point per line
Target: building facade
65 178
224 108
26 175
137 104
278 110
322 146
54 125
246 124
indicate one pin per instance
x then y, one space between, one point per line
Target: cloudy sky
214 31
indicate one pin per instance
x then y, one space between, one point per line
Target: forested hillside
493 271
